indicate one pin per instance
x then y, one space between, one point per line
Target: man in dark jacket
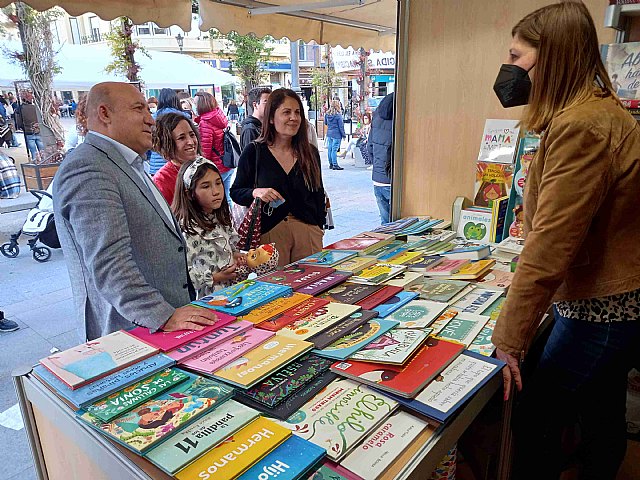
380 149
252 124
27 120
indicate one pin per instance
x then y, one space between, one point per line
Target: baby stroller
39 226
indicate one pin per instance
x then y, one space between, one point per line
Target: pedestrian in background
335 133
252 124
168 102
380 150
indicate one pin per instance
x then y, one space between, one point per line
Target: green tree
123 50
249 54
324 79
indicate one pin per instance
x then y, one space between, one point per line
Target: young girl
202 210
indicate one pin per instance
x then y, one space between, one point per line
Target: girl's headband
191 170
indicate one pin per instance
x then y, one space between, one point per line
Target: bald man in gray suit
124 250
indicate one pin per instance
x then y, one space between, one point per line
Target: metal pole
295 65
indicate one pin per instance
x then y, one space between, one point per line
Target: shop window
144 29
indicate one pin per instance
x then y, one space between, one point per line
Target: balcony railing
93 38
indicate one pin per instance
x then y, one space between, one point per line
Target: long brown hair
307 159
568 61
163 142
187 209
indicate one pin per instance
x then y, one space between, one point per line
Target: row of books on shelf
328 365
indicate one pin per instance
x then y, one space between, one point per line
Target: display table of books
368 360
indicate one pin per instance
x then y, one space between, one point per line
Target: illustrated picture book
499 141
439 290
274 308
463 328
296 275
289 316
394 303
241 298
342 328
417 313
352 342
377 274
329 258
318 321
394 347
381 296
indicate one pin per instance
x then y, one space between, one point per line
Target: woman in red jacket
211 122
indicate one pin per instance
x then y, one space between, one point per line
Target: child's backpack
231 153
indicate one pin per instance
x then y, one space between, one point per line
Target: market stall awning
359 23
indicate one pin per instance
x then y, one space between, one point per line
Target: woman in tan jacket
581 252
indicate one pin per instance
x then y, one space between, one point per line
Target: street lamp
180 40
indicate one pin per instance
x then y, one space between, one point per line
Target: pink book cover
340 470
446 267
209 340
217 357
167 341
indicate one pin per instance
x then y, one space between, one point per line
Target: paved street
38 297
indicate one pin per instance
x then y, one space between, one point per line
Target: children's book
325 283
376 452
473 270
423 263
285 381
406 280
499 141
463 293
446 268
356 264
167 341
263 360
620 60
394 303
297 275
404 380
329 258
417 314
377 274
205 433
511 245
403 258
468 251
439 290
274 308
333 471
477 301
493 180
90 361
209 341
394 347
386 248
350 293
454 386
293 314
154 421
381 296
318 321
217 357
357 339
295 459
420 227
475 225
363 243
435 235
340 416
86 395
437 248
498 218
237 453
124 400
482 344
241 298
497 280
463 328
441 322
342 328
396 225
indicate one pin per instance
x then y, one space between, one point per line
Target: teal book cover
354 341
241 298
394 303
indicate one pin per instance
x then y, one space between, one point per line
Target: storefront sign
345 59
378 60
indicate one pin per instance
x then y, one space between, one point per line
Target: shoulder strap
255 180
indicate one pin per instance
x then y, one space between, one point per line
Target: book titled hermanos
92 360
208 341
237 453
202 435
274 308
241 298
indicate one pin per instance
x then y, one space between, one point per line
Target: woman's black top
307 206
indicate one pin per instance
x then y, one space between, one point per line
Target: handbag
249 230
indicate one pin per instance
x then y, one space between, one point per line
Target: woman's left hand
510 372
240 258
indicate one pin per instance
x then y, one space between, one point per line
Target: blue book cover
292 460
394 303
420 227
86 395
462 378
356 340
241 298
328 258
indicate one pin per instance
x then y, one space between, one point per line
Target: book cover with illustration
474 270
86 395
294 459
209 340
404 380
318 321
237 453
363 243
446 268
329 258
463 328
394 303
435 235
424 263
417 313
421 226
493 181
167 341
258 363
226 352
383 250
350 293
475 225
439 290
324 284
340 416
499 141
301 310
342 328
350 343
333 471
497 280
124 400
621 62
241 298
297 275
403 258
154 421
377 274
406 280
285 381
90 361
476 301
394 347
203 434
381 296
377 451
442 321
482 344
356 264
274 308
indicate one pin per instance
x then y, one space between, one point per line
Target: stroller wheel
10 250
41 254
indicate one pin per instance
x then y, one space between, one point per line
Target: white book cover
394 347
464 328
374 455
417 313
499 141
476 301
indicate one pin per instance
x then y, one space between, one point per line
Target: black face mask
512 86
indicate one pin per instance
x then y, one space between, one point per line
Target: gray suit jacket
126 259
